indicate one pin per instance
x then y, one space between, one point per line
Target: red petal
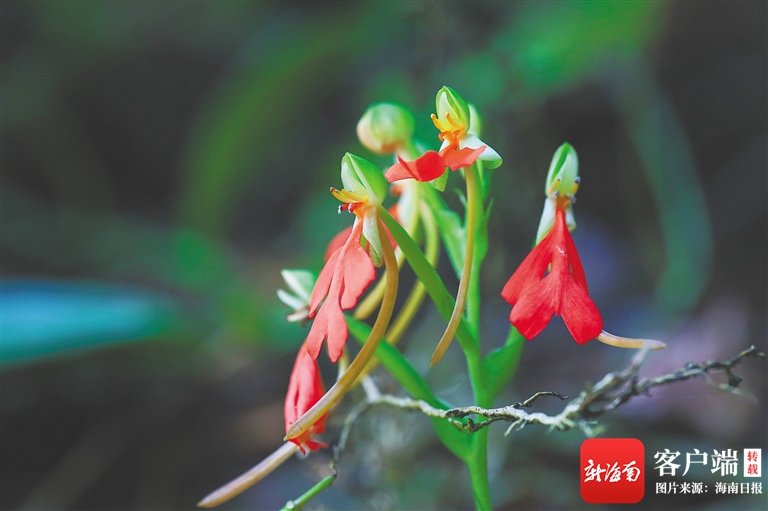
457 158
304 389
535 307
426 167
337 242
573 258
530 271
580 313
329 324
358 272
323 282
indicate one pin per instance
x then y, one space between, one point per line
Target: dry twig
612 391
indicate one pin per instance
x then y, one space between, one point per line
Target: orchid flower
349 269
461 147
551 279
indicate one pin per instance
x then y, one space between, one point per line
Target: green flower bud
385 127
362 177
449 101
563 175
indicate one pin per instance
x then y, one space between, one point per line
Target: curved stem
405 316
625 342
372 300
237 486
432 248
346 380
427 274
461 297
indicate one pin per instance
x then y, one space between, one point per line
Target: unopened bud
563 176
362 177
385 127
449 103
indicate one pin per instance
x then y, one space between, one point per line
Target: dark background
162 161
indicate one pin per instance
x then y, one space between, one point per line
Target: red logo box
612 470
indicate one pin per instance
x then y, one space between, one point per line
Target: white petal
371 233
291 301
489 157
300 282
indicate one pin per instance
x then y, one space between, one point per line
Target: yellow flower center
451 129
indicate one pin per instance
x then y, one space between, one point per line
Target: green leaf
428 276
500 365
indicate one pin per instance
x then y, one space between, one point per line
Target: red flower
432 164
346 274
535 297
304 390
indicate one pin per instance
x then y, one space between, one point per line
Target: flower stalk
346 380
461 297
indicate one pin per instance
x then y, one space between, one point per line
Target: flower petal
530 271
535 307
358 272
575 262
457 158
337 242
371 233
323 282
304 390
426 167
581 316
329 324
489 156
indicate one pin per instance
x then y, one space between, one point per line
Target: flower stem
237 486
461 297
624 342
344 383
428 276
478 470
411 306
372 300
310 494
405 316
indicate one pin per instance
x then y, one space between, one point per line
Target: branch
612 391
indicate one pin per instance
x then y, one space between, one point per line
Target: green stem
478 461
473 295
428 276
478 470
411 306
309 494
466 272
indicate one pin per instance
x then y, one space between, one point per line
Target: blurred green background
162 161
